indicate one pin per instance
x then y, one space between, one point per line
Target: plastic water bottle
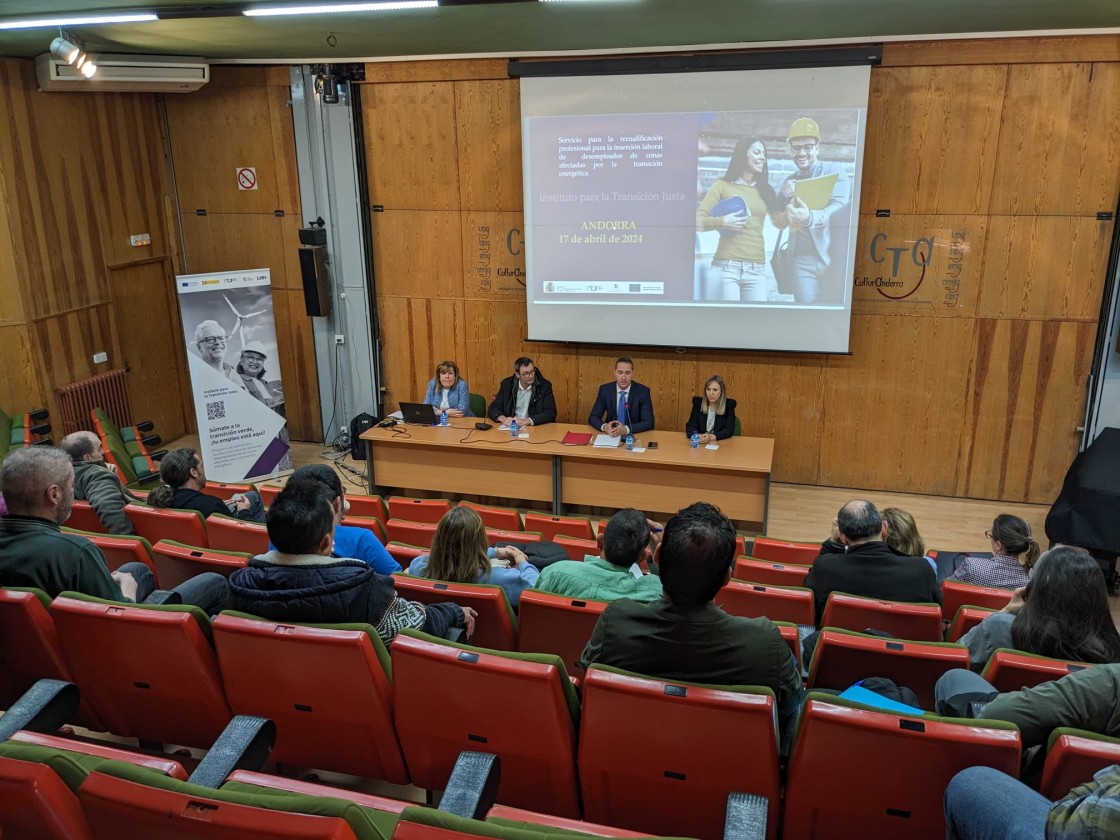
443 419
513 428
629 442
695 440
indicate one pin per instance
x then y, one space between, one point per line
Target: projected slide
693 215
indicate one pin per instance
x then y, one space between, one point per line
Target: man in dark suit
526 396
623 407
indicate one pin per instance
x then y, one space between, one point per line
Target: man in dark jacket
684 635
868 567
300 581
526 396
96 482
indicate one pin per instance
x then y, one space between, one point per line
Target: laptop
420 413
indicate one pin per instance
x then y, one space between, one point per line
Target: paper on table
606 441
638 449
397 415
712 446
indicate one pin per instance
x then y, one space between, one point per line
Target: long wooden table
459 459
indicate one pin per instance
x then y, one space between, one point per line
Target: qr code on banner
216 410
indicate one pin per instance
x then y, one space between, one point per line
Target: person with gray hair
210 340
96 481
857 561
39 490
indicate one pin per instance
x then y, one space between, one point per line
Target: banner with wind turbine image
230 333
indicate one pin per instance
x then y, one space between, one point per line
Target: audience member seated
713 415
983 803
349 541
1062 613
184 477
460 555
869 567
1084 699
614 575
902 535
526 397
300 581
683 635
447 391
1014 553
39 489
96 481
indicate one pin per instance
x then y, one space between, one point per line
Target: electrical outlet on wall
99 358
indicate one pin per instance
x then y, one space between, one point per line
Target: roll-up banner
230 332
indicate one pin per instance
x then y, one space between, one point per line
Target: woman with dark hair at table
713 415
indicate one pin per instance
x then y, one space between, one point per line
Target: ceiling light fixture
69 49
68 52
339 8
89 20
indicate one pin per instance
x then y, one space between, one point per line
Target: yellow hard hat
804 127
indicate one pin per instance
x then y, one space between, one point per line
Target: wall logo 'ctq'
919 254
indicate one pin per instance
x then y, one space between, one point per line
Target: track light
64 47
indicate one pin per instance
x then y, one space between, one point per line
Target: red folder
576 439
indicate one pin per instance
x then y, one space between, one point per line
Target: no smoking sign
246 177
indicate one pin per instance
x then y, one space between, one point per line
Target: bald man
96 481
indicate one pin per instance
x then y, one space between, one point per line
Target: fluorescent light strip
340 8
92 20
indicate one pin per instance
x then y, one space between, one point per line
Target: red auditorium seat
83 518
35 804
781 551
119 550
365 505
508 519
843 657
25 615
366 800
177 562
552 527
369 523
155 524
403 553
327 689
148 672
163 764
578 549
417 510
956 595
533 818
1011 670
770 574
496 625
412 533
222 491
965 619
496 535
777 603
662 757
557 624
859 773
1073 757
916 622
521 707
227 533
268 492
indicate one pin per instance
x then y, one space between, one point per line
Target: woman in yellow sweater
737 206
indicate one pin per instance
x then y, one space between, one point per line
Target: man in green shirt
615 574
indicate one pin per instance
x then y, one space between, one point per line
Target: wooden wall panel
1024 405
296 345
919 265
20 388
888 405
417 334
931 134
11 294
418 252
494 331
488 129
1059 149
494 255
233 242
437 71
1045 267
1003 51
65 345
410 145
222 127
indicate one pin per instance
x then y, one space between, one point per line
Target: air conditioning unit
121 73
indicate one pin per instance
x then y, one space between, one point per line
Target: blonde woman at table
713 415
460 555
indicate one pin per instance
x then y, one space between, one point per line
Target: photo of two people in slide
794 207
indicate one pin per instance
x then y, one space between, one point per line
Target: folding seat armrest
145 426
39 414
41 429
746 817
473 786
164 596
244 744
151 440
44 707
43 442
158 455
